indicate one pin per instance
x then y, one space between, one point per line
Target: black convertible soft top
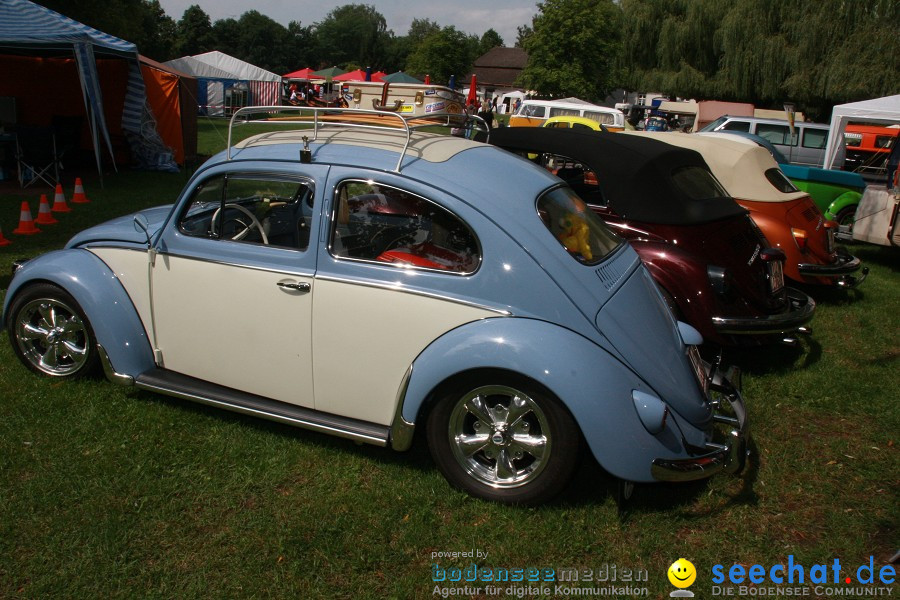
635 174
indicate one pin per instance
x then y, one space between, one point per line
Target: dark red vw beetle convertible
714 266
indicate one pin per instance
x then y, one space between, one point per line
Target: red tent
301 74
358 75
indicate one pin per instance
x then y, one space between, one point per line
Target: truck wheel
503 440
50 333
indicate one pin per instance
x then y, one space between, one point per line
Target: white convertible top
740 167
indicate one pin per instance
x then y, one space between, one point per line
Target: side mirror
142 224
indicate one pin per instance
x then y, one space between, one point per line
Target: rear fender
592 384
102 298
847 199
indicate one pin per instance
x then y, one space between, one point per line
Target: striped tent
30 30
223 78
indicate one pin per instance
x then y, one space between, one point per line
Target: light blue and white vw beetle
360 278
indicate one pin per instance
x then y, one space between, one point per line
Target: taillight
799 238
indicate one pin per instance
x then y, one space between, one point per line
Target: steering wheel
254 222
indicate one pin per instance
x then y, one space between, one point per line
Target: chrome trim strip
402 431
228 263
117 378
286 419
398 287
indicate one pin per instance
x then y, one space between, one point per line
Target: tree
194 33
354 33
573 49
490 39
444 53
522 33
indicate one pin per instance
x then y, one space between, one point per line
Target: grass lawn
110 492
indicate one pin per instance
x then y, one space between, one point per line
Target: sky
470 16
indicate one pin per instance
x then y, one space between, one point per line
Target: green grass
116 493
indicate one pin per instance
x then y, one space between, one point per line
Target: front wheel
50 333
506 441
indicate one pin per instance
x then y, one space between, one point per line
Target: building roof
500 66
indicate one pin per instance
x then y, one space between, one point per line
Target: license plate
699 368
776 276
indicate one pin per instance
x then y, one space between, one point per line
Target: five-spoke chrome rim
499 436
52 337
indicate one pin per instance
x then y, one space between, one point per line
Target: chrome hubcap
52 337
500 436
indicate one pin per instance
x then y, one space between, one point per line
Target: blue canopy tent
31 32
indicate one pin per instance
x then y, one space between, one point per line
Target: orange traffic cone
26 223
79 197
45 217
3 240
59 200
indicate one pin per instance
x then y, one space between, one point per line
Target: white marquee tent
879 110
222 77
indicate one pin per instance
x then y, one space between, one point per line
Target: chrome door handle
297 287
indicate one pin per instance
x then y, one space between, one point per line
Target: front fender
847 199
594 386
102 298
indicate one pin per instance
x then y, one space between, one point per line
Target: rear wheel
504 440
846 216
50 333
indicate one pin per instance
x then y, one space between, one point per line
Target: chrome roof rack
358 118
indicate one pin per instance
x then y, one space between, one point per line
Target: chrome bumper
730 456
801 311
841 269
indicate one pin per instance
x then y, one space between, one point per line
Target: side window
384 224
814 138
737 126
883 141
777 134
264 209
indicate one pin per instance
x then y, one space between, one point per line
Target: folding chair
36 155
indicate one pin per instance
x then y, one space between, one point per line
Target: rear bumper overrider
841 269
800 313
728 454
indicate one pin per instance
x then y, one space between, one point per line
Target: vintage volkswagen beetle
703 250
787 217
367 281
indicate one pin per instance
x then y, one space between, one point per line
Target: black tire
50 333
521 456
846 216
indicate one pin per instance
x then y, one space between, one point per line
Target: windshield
715 124
582 233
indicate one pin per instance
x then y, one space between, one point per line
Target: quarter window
384 224
258 209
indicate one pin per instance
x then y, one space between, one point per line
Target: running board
197 390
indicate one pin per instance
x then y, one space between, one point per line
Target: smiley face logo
682 573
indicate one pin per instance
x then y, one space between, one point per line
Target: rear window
698 183
778 179
582 233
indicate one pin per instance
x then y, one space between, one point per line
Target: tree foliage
816 54
444 53
353 33
573 48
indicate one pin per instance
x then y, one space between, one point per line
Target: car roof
634 173
595 125
426 146
740 166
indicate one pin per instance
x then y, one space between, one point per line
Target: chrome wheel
506 439
499 436
50 335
